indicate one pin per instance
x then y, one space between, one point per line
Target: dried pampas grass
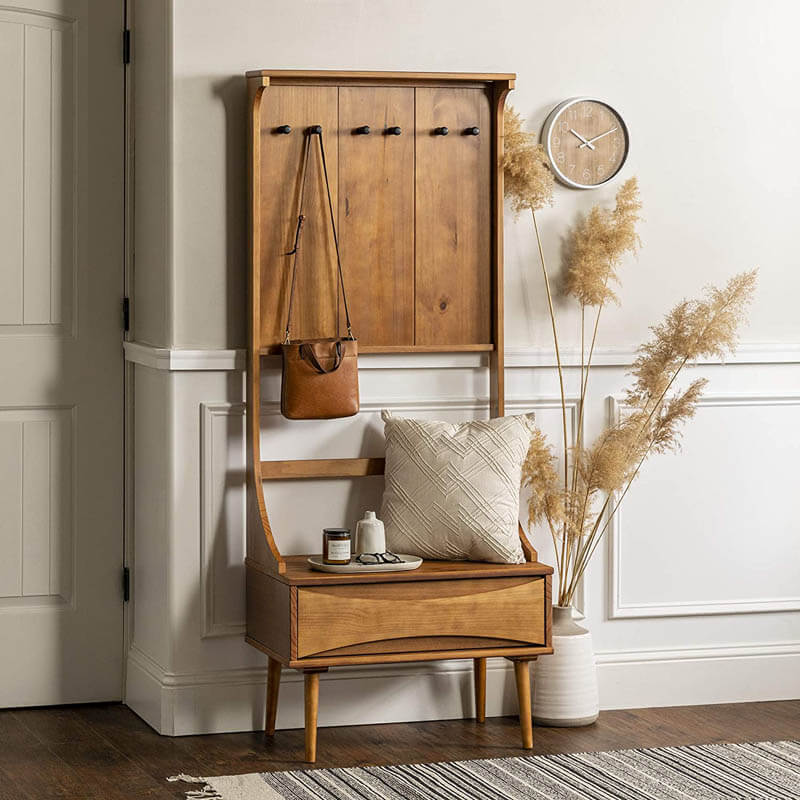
578 507
598 244
528 179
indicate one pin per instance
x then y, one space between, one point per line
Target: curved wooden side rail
261 545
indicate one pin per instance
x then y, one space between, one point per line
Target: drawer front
419 617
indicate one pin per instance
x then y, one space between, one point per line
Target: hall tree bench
416 180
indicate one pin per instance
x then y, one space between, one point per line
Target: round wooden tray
408 562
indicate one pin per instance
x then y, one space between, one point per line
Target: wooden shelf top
299 573
369 75
275 349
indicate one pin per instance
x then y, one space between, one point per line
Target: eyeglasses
378 558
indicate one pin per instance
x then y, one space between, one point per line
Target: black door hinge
126 46
126 584
126 314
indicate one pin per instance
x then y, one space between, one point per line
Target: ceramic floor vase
565 683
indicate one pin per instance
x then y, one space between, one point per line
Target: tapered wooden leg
273 687
523 677
479 674
312 704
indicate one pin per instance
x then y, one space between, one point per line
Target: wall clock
586 141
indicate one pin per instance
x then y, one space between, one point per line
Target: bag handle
307 353
314 130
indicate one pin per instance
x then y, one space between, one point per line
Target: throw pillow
452 490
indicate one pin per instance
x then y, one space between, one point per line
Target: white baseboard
178 704
729 674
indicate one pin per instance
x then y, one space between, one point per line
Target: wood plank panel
376 209
322 468
340 616
453 218
316 301
11 168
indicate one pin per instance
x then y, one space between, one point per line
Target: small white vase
370 535
565 683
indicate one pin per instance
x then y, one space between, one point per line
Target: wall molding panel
618 608
210 359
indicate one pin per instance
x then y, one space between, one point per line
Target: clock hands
588 142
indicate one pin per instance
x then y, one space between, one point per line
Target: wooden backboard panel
376 209
316 300
453 217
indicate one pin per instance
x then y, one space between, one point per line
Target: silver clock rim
545 139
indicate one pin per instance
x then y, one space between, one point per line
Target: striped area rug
763 770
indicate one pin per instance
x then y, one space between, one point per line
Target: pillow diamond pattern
452 490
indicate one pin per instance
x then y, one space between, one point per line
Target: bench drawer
359 619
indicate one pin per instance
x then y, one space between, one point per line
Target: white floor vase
565 683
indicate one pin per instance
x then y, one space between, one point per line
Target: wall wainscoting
677 619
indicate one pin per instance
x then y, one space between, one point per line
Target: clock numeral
564 126
560 157
586 175
571 167
556 141
601 170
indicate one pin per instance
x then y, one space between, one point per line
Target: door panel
453 218
376 212
61 213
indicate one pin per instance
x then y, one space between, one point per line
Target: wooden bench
427 277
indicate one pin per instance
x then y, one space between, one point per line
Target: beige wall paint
708 88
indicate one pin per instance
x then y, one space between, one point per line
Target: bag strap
314 130
307 354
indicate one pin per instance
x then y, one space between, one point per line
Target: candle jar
336 546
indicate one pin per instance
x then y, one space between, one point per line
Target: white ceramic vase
565 683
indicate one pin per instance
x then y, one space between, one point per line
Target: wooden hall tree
414 161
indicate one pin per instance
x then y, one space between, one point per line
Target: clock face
586 141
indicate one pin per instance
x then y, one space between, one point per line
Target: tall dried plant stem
585 371
594 538
562 562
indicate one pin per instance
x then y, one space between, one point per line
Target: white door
61 397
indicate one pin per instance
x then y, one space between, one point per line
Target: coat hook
363 130
441 131
474 131
314 129
283 129
394 131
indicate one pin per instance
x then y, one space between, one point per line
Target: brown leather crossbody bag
320 376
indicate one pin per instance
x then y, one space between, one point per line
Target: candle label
338 550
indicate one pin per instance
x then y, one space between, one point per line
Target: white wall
697 597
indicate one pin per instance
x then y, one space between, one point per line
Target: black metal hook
474 131
363 130
443 131
394 131
283 129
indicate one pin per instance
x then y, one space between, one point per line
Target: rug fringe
208 792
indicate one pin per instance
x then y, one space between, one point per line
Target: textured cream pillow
452 491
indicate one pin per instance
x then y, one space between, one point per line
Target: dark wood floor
106 752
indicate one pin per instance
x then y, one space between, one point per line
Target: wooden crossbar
322 468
